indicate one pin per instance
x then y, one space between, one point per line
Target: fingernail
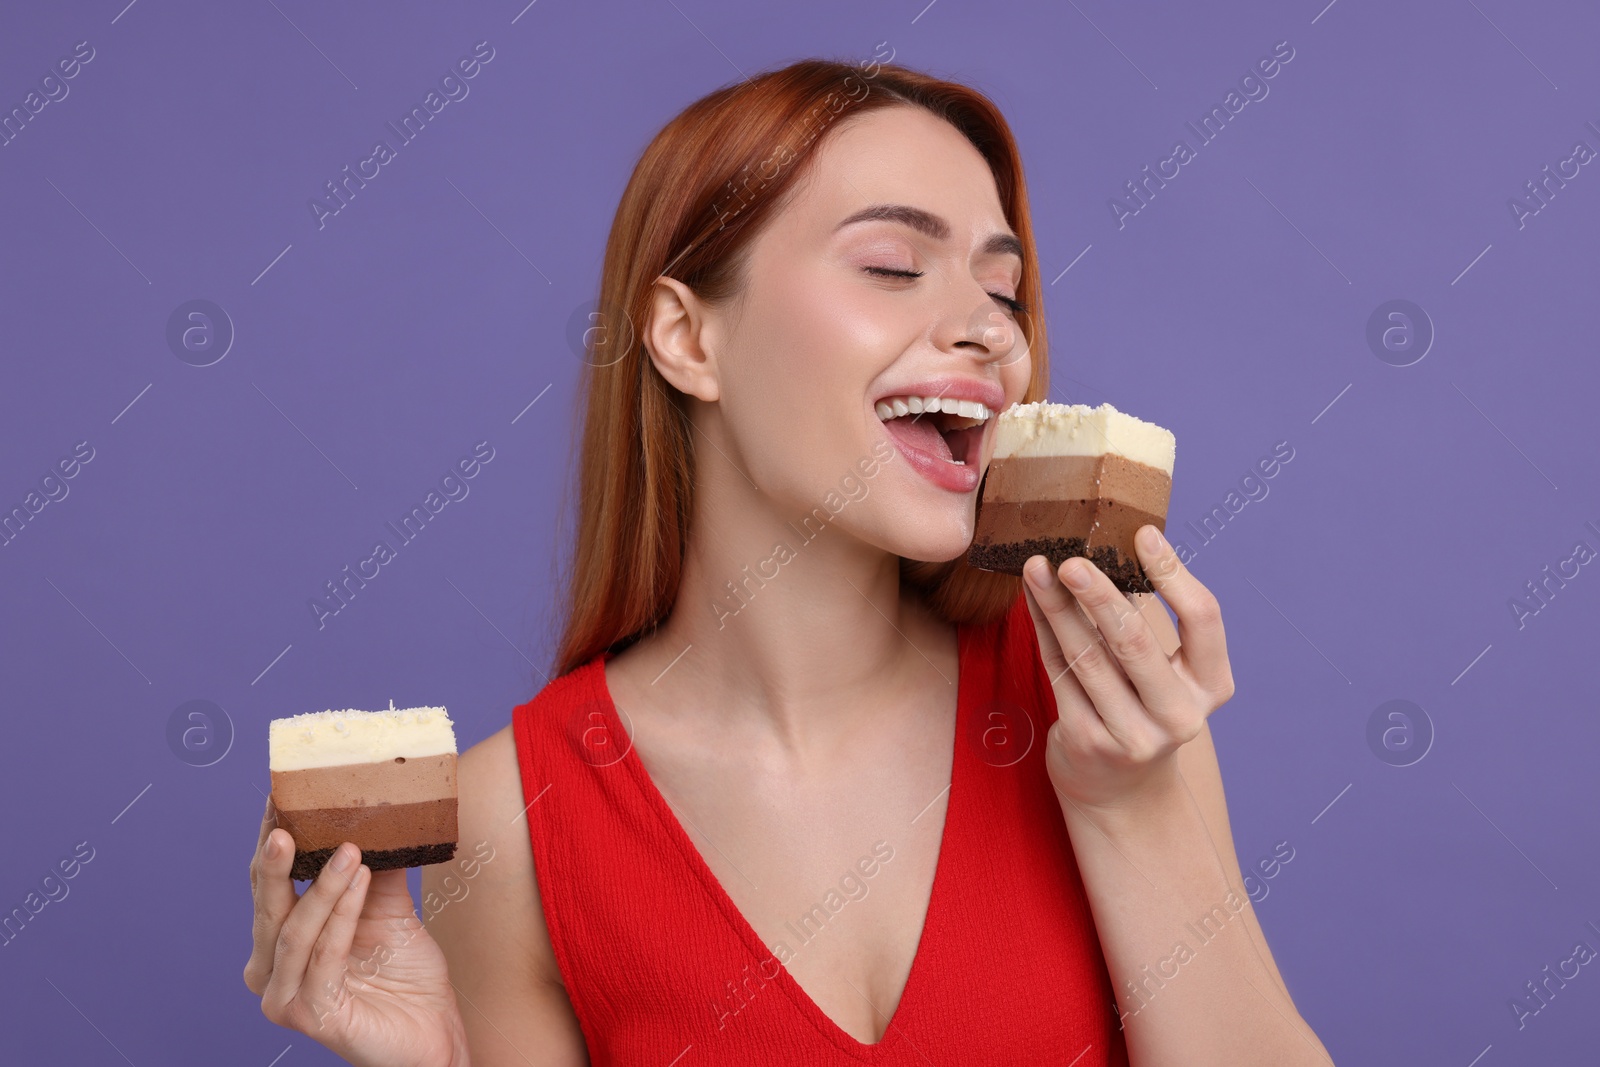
341 858
1151 540
1077 574
272 846
1038 572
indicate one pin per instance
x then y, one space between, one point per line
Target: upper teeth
893 407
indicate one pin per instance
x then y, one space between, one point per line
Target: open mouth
949 430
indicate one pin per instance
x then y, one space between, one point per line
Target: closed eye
1017 307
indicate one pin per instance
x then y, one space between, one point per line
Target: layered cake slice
383 780
1071 480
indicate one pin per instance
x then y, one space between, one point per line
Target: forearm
1190 985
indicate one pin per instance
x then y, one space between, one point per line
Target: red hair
697 198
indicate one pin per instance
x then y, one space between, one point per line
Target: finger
1082 643
304 925
1042 600
1155 612
1083 657
274 896
1133 643
1203 650
1075 712
325 975
269 820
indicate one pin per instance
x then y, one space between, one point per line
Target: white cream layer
1046 429
336 738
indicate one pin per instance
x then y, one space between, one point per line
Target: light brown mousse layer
377 806
397 781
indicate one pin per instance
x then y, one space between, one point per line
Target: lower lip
954 477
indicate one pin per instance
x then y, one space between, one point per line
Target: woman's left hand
1125 706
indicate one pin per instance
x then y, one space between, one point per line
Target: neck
788 625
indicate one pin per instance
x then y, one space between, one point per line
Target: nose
981 329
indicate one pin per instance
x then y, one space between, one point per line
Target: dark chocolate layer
1009 556
1102 530
1098 522
308 864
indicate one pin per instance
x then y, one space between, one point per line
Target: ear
678 336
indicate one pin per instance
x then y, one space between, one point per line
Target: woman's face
828 336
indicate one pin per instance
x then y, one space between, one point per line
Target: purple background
371 354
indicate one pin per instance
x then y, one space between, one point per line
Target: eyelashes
1017 307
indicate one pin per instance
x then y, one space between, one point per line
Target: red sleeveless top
662 968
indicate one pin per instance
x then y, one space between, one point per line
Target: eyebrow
932 225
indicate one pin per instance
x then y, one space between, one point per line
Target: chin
938 537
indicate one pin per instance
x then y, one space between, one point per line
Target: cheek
1015 370
843 332
818 342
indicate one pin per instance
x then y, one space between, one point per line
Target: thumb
388 895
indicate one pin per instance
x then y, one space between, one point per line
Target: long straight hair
697 197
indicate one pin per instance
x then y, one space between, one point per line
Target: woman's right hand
347 962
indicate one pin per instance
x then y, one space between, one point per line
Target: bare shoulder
484 911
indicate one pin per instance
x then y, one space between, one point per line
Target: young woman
804 787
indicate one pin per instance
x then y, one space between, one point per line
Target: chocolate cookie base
1007 557
308 864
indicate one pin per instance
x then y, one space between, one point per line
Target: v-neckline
847 1042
